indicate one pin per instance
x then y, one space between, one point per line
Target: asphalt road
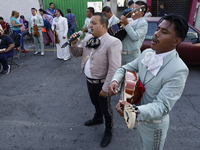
44 104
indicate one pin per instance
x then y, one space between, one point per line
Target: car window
191 35
152 26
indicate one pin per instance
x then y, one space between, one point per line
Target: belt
96 81
125 52
157 121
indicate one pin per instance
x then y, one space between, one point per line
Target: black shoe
106 139
92 122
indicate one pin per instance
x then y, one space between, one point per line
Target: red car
189 49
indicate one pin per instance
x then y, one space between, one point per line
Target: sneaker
17 49
7 71
36 53
24 51
42 54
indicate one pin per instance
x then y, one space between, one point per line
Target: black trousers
102 105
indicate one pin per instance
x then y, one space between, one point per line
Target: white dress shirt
87 70
33 18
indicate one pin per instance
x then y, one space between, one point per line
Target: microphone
72 39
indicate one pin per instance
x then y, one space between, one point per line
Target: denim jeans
71 30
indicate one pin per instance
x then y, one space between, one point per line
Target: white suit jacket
61 25
161 91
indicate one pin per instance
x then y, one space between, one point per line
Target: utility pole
113 6
197 21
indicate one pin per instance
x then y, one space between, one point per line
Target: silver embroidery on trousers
157 139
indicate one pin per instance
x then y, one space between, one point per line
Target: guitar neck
134 10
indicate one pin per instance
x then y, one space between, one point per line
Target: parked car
189 49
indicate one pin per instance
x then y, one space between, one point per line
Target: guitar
131 92
117 30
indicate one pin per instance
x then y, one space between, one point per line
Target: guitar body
131 93
117 31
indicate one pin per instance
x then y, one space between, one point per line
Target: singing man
101 57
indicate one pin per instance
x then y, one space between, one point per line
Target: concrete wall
22 6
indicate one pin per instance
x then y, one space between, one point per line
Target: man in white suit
36 20
136 28
112 19
163 74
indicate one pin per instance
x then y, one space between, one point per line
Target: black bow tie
93 43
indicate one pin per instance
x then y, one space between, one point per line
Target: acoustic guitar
131 91
117 30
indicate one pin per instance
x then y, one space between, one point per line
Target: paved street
44 104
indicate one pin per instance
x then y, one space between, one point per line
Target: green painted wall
78 8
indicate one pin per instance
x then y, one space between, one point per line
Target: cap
127 11
130 3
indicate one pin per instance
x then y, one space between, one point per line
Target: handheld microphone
72 39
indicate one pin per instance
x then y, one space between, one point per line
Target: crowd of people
105 60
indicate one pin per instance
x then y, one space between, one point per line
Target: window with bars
181 7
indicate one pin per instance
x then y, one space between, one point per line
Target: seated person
24 28
6 50
4 25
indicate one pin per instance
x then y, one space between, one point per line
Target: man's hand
30 34
64 37
73 36
118 107
103 93
124 20
113 88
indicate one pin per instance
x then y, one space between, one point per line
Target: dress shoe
24 51
106 139
92 122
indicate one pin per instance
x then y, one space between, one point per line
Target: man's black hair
34 9
91 9
142 3
51 3
181 25
69 10
1 18
130 3
103 18
106 9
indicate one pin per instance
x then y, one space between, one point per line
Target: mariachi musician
136 31
163 74
112 19
35 25
60 28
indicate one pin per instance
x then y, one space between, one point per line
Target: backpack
16 39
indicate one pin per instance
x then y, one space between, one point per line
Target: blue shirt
70 18
16 22
51 12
